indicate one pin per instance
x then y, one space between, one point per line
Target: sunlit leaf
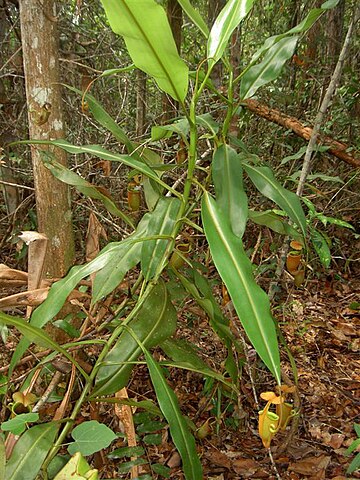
194 16
162 222
269 69
227 176
226 22
265 181
250 301
150 42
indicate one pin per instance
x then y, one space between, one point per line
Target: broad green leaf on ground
228 19
274 222
155 322
71 178
250 301
161 222
179 430
30 452
264 180
227 174
18 424
33 334
194 16
90 437
270 67
150 42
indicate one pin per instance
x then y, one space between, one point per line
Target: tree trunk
174 13
41 68
214 8
140 103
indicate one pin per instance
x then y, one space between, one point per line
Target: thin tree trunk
174 13
140 103
40 53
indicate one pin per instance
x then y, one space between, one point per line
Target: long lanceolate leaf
229 18
269 69
101 152
162 222
150 43
36 335
264 180
179 430
71 178
155 322
250 301
30 452
194 16
61 289
227 175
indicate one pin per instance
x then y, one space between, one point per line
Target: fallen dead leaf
311 466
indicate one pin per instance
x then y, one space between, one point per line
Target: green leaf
150 43
179 430
160 469
152 439
354 465
184 356
125 467
34 334
126 452
65 175
264 180
2 457
102 116
275 222
121 257
67 327
269 69
90 437
321 247
194 16
100 152
18 424
77 468
227 174
250 301
30 452
228 19
155 322
162 222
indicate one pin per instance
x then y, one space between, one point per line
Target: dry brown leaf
311 466
7 273
218 458
124 414
94 232
246 467
32 298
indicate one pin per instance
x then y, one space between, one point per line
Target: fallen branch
336 148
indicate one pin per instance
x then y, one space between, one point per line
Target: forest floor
320 322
